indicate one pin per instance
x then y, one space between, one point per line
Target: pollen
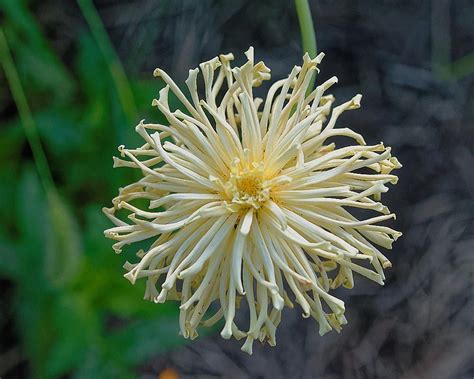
248 188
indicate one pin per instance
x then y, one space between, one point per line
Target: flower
249 200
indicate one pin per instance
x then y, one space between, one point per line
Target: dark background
65 310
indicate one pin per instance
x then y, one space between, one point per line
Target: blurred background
80 74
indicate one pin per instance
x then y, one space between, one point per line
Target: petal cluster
250 200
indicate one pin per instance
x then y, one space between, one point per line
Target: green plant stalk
26 117
117 71
308 36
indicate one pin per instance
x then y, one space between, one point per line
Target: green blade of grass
39 66
27 121
65 245
117 72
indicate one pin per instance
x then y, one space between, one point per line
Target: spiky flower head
249 200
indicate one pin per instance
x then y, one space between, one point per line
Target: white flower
252 194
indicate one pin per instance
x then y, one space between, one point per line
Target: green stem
117 72
308 36
26 117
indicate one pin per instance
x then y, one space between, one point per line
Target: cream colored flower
247 194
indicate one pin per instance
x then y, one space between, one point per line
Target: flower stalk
308 35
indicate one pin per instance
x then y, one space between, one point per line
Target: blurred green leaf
50 235
32 305
144 339
117 100
76 314
60 131
94 85
114 65
8 192
98 364
63 243
76 326
33 315
38 65
9 263
12 138
106 121
32 223
103 271
463 67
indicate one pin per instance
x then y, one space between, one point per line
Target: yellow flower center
250 185
247 187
